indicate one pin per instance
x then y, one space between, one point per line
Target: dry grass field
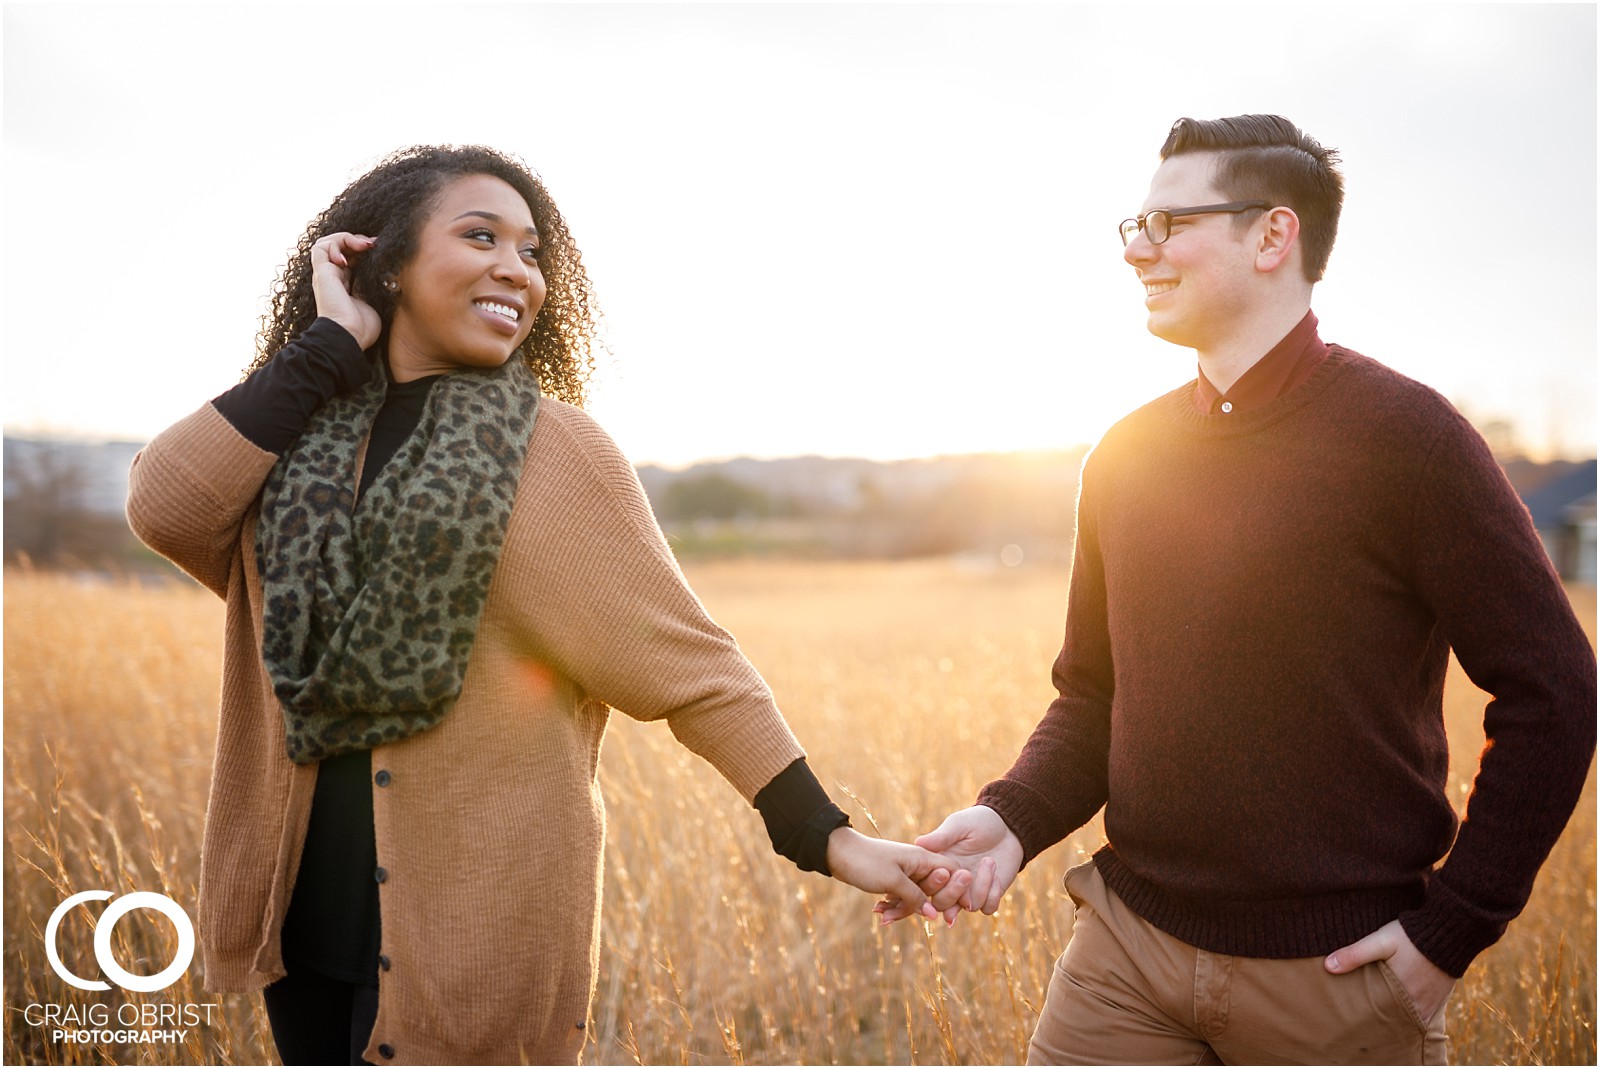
909 684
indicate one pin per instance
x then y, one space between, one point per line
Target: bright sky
882 231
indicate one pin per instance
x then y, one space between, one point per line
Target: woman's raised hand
330 283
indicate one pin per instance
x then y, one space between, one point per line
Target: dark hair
390 203
1267 157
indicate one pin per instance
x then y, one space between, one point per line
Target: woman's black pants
317 1020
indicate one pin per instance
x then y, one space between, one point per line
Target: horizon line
1583 454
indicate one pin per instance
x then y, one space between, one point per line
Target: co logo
102 941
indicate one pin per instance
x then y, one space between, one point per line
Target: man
1272 566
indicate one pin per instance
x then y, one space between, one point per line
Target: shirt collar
1284 367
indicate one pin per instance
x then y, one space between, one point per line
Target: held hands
882 866
1427 984
330 284
987 852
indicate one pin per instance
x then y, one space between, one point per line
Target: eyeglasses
1157 223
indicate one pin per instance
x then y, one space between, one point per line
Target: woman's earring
391 285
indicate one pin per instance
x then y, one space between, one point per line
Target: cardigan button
386 1050
1227 406
380 874
382 778
384 962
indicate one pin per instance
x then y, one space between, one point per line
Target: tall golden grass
909 684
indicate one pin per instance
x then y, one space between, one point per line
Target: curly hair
390 203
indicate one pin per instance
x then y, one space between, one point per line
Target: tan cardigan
491 960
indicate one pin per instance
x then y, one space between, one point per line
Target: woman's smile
504 313
469 295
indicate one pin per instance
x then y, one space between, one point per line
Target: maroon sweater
1261 611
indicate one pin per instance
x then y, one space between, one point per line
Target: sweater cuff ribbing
1448 930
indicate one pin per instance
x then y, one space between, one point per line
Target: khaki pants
1125 992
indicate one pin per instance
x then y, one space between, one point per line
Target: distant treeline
64 501
1015 506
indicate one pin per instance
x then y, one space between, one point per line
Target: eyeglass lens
1156 226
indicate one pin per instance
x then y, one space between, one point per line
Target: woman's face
468 296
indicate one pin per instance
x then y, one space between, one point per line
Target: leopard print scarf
371 609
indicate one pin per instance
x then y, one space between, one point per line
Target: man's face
1198 283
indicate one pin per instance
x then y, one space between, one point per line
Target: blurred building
1563 511
64 503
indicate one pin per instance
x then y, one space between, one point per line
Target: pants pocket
1072 882
1402 997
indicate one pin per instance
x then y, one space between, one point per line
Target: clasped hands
985 856
965 863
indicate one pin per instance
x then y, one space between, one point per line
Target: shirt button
380 874
1227 406
384 962
386 1050
382 778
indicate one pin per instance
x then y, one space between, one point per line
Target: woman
437 581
